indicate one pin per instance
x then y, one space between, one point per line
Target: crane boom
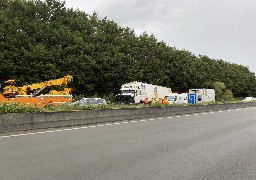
14 94
12 90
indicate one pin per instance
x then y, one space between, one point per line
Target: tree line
42 40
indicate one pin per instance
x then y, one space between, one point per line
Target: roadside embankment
30 121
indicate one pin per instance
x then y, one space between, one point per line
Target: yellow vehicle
12 93
11 90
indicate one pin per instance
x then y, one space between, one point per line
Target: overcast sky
220 29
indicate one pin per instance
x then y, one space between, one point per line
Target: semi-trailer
137 92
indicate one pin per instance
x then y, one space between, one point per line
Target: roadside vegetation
42 40
16 108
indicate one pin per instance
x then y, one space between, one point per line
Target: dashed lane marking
67 129
58 130
23 134
14 135
195 114
5 136
220 111
35 133
101 125
92 126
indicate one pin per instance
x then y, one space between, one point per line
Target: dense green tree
41 40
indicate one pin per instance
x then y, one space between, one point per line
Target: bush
17 108
222 94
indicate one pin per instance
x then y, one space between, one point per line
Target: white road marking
41 132
100 125
5 136
220 111
35 133
92 126
254 107
23 134
14 135
195 114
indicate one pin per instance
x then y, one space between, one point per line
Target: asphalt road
219 145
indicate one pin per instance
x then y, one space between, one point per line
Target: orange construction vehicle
31 94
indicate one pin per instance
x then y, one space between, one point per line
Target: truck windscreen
127 91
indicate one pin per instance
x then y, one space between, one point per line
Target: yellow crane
11 90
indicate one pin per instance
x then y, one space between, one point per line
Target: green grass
16 108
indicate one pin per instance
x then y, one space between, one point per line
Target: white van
175 98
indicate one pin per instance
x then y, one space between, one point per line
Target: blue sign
155 89
192 98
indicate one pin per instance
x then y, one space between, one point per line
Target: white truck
204 95
137 92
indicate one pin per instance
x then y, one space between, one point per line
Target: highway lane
213 145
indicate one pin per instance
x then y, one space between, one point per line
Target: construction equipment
31 94
11 90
